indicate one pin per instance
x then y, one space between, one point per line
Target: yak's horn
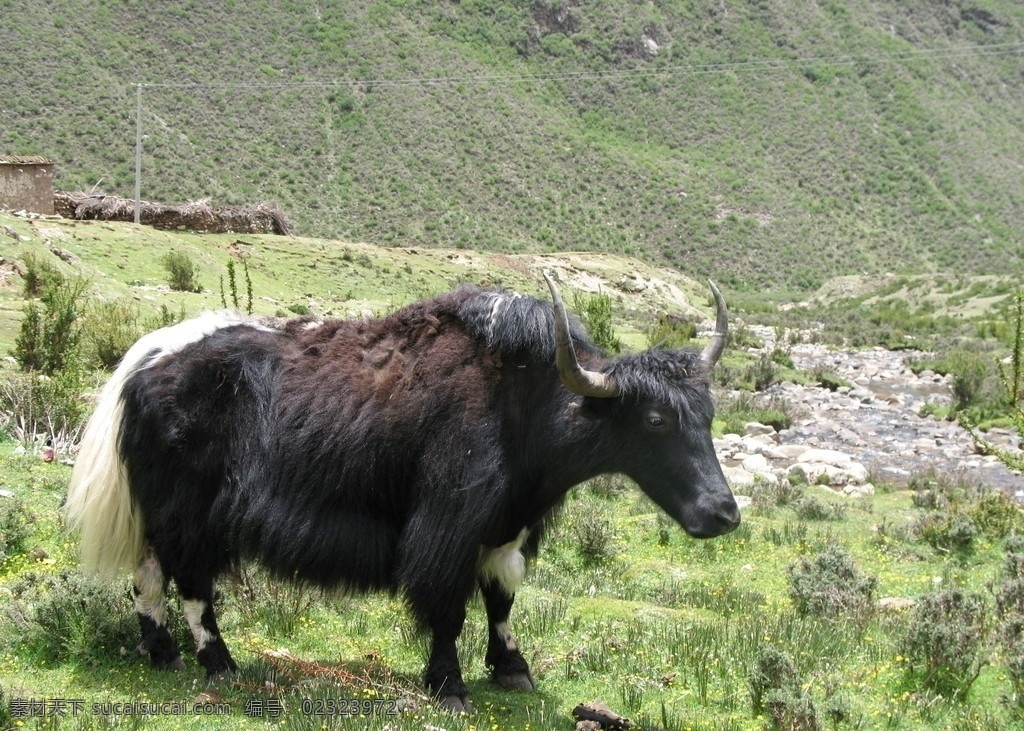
574 377
713 350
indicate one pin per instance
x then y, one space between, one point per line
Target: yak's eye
655 421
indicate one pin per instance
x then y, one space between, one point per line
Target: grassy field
621 606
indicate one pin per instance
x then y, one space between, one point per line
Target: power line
757 65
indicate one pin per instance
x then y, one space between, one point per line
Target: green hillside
767 144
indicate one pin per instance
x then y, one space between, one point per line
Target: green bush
949 531
48 338
595 540
830 585
671 332
35 407
13 528
944 640
1010 613
68 616
182 272
738 410
807 507
596 313
39 275
777 689
111 328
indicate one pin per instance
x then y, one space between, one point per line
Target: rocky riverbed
869 432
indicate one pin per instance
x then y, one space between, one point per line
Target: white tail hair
100 506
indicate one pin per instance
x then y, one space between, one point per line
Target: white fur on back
99 504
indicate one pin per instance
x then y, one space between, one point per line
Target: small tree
49 336
596 313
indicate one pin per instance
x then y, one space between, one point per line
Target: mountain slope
767 144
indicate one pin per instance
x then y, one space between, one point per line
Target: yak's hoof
515 681
455 704
176 665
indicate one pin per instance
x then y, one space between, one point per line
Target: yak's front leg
502 570
509 668
444 674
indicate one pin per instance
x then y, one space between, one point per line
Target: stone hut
26 183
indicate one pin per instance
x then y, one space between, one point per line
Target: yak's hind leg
151 606
501 573
197 606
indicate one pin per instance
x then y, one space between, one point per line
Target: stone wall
26 183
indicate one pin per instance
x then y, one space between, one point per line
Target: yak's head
656 409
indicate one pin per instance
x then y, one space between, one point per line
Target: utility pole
138 152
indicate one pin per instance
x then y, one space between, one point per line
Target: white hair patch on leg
505 634
150 600
506 564
193 610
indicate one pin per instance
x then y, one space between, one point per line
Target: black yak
420 454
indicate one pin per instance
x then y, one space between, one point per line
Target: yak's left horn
574 376
713 350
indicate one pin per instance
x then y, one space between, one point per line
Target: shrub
830 585
39 275
776 687
1010 611
71 617
181 272
34 407
671 332
48 339
111 328
744 407
272 603
1013 392
949 531
811 508
595 540
13 528
233 287
943 642
766 495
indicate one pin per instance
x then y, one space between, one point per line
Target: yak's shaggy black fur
396 454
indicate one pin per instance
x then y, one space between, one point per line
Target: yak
422 453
